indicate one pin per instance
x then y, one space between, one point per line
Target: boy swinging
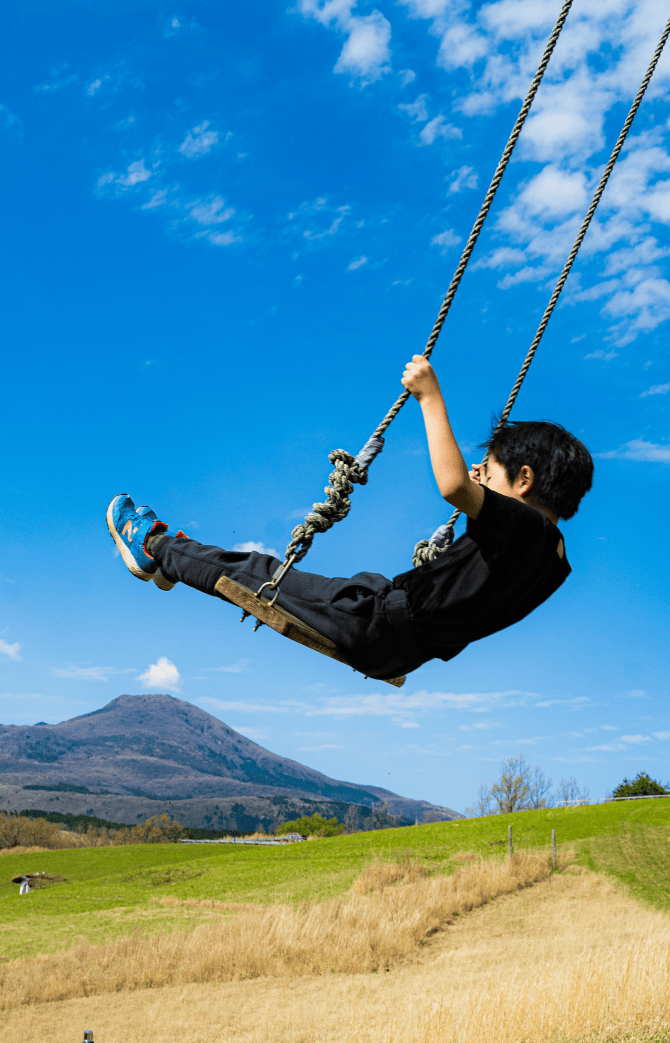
510 560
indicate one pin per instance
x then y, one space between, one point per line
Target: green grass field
109 892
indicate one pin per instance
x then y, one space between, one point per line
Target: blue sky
226 228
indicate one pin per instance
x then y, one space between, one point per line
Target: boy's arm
451 473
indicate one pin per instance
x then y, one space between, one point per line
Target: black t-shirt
504 566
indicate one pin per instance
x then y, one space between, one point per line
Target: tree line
522 787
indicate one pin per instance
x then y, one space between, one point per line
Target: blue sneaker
159 579
129 529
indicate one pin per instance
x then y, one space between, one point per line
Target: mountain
160 750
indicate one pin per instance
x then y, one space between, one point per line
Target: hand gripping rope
350 470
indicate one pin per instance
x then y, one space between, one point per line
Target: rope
427 550
350 470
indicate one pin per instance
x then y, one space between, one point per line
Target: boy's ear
526 478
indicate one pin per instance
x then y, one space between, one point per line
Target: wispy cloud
640 450
323 746
199 141
445 240
9 121
134 175
11 651
251 545
240 667
656 389
358 262
318 219
88 673
635 740
439 128
162 674
463 178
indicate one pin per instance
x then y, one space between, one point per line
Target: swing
350 470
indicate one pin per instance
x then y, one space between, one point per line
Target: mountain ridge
160 748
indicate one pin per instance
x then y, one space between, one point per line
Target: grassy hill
111 892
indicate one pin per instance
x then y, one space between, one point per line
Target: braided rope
427 550
352 471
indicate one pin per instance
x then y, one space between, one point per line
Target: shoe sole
128 559
161 582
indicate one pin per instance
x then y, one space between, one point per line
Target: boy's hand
478 474
419 378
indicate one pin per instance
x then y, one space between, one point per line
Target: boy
510 560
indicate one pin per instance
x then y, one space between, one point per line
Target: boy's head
561 464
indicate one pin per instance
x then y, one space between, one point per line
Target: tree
641 786
314 826
568 791
483 804
539 789
511 792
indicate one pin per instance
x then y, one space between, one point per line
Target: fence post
553 845
509 840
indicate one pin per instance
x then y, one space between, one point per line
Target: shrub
316 826
641 786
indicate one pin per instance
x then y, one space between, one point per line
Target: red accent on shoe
158 526
181 535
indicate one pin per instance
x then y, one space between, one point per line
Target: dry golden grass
556 962
347 935
18 850
380 875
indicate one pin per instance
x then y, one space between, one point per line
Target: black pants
365 616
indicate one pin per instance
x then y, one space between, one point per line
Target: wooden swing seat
283 622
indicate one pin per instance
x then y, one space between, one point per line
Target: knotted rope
353 470
427 550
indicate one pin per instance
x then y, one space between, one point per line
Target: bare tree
539 788
569 792
511 792
483 804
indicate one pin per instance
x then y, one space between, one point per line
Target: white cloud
85 673
639 449
635 739
417 109
256 734
318 220
240 667
323 746
497 45
439 128
162 674
604 356
135 175
210 211
656 389
12 651
446 240
366 52
9 121
256 545
406 76
662 735
464 177
199 141
358 262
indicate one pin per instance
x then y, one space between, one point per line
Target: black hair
562 465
